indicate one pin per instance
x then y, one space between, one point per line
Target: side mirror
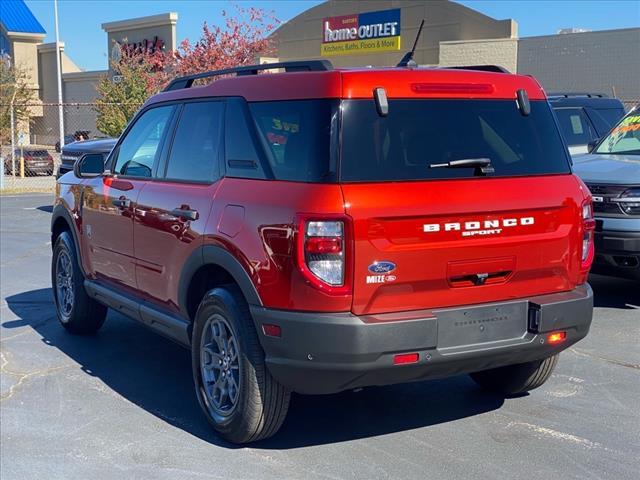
592 144
89 165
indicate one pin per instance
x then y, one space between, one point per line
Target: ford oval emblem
382 267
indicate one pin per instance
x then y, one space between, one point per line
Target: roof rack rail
577 94
483 68
294 66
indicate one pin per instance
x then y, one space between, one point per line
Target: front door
109 200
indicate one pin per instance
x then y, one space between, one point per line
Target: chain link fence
33 162
630 103
31 159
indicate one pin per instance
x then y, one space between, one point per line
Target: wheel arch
60 222
208 267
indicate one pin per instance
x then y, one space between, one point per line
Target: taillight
322 253
588 227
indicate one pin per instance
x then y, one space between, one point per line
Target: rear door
438 237
109 200
171 212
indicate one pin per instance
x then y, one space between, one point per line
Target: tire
516 379
260 403
77 312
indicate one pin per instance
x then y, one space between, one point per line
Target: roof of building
16 17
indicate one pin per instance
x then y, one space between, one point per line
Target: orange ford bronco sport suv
318 230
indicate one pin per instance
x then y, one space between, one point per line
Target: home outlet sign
368 32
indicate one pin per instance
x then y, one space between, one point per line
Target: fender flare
59 211
218 256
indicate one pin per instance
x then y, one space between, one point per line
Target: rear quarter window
297 136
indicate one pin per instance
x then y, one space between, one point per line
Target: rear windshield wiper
482 165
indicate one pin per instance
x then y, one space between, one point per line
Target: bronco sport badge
477 227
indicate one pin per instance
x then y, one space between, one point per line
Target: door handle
185 213
121 202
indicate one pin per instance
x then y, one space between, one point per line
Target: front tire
236 392
516 379
77 312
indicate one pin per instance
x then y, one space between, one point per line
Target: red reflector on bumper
405 358
271 330
556 337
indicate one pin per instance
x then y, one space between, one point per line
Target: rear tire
236 392
516 379
77 312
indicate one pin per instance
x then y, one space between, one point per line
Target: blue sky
86 43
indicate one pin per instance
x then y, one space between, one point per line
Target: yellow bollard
21 166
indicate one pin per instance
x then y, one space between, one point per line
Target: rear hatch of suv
430 236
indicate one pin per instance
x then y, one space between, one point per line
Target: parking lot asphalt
121 403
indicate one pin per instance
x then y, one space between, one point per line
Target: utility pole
13 134
59 68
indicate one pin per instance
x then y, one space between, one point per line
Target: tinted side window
196 144
298 136
611 115
138 151
241 153
605 119
575 126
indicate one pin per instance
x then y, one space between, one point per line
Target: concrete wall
501 51
24 53
587 62
44 127
81 87
48 72
300 37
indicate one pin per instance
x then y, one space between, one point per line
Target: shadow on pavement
155 374
612 292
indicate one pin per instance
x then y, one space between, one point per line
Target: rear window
417 133
297 135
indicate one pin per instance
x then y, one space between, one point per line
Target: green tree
119 101
238 41
14 90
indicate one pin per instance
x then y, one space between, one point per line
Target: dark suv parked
318 230
584 118
72 152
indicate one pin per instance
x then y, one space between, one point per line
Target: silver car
612 173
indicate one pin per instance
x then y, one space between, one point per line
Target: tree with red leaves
242 38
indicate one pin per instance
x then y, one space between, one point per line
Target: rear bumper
330 352
617 253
